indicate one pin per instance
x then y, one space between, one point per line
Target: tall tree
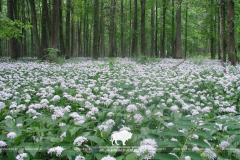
102 37
13 41
173 49
35 29
156 31
163 30
179 38
95 33
231 44
211 32
62 48
67 49
0 38
143 39
224 29
74 43
54 29
135 35
112 30
45 40
152 33
123 46
186 29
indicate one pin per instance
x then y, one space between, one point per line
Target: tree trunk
44 29
231 55
74 44
143 39
35 29
80 37
112 34
123 46
211 30
152 33
13 41
62 48
163 31
1 54
135 35
186 30
179 38
224 29
102 37
54 29
95 33
67 49
173 41
156 32
220 29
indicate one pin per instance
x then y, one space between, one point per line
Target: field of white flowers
70 111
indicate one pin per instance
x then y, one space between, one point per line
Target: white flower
21 156
8 117
57 149
110 122
125 129
2 144
55 98
187 158
62 124
174 108
224 144
169 124
108 157
169 101
148 112
2 105
195 149
103 128
19 125
138 118
159 114
63 135
11 135
80 158
110 114
209 154
150 142
131 108
173 139
79 140
147 151
206 109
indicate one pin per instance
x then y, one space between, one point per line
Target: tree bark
143 39
102 37
224 29
67 49
152 33
179 38
13 41
231 44
211 30
35 29
163 31
186 29
1 54
62 48
123 46
74 44
112 34
44 42
95 36
135 35
54 28
156 32
173 41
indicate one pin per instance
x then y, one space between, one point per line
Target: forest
125 28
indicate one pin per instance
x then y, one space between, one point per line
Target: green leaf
18 138
165 156
32 148
199 142
175 144
53 139
153 135
120 158
99 156
74 130
10 123
96 140
193 155
203 134
171 134
234 132
68 153
131 156
145 130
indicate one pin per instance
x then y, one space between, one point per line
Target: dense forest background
126 28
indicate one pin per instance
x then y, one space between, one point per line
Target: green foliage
11 28
54 57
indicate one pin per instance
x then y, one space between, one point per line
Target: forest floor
72 110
